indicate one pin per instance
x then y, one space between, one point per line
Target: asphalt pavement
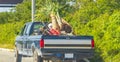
8 56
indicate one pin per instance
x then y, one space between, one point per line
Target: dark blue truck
32 42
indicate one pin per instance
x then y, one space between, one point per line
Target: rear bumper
60 53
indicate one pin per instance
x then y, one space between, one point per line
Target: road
6 56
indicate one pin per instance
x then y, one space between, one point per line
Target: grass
8 46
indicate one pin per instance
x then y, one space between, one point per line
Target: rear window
37 28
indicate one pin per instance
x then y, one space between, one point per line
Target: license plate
69 55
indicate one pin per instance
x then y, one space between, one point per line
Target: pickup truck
62 47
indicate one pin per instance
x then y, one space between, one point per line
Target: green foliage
46 7
8 31
23 11
100 18
11 23
103 22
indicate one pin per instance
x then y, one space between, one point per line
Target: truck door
25 35
20 39
27 43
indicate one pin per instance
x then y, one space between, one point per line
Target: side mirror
17 33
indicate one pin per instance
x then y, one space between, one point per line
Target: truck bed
79 46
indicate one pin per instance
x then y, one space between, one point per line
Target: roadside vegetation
99 18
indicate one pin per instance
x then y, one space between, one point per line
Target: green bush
8 33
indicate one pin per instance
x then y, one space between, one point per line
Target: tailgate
68 42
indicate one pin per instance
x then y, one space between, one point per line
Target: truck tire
18 57
54 59
37 58
81 60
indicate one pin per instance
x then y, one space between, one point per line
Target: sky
5 9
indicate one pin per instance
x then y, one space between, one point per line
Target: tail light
42 43
92 43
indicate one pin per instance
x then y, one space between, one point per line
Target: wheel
18 57
37 58
54 59
83 60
